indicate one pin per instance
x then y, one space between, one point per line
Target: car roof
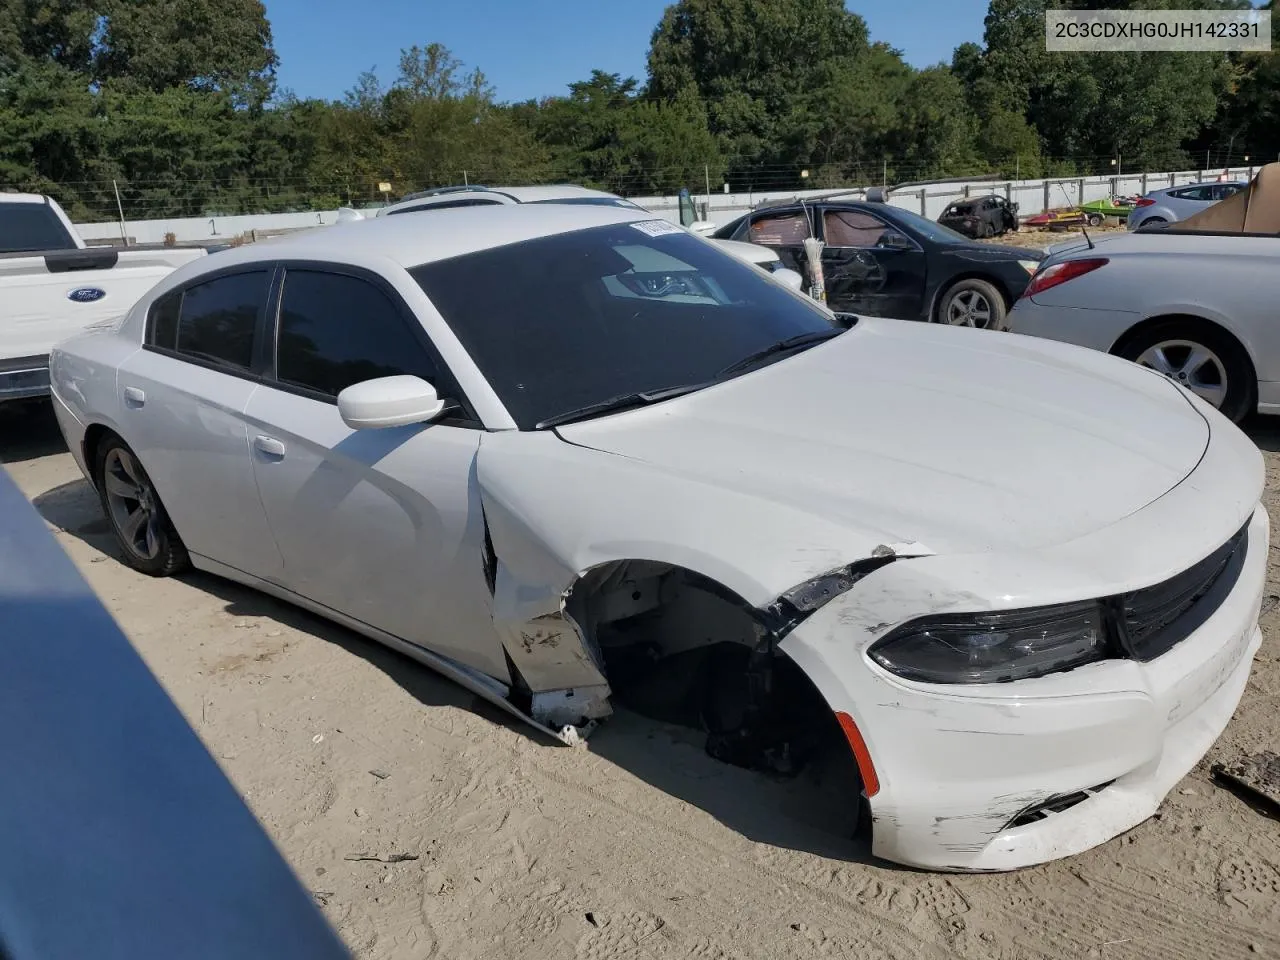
444 201
1201 183
561 191
408 242
428 199
6 197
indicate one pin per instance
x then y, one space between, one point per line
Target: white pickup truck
52 286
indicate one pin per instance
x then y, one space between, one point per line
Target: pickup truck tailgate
45 298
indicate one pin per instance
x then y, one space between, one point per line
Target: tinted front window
32 228
337 330
219 318
561 322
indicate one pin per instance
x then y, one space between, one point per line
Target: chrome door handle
269 446
134 396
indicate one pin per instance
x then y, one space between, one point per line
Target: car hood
990 253
959 440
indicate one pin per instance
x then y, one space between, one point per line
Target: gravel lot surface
637 846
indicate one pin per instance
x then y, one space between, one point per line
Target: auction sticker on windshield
657 228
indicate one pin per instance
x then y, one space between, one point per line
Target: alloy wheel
132 503
1190 364
969 308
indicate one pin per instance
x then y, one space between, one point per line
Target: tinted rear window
32 227
218 319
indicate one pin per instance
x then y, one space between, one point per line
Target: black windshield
562 322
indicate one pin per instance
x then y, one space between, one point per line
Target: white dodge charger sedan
553 451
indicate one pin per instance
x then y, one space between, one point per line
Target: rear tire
1094 220
1152 222
146 536
973 303
1204 358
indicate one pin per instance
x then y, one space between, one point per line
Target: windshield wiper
782 346
626 401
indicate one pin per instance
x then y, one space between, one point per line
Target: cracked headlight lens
994 647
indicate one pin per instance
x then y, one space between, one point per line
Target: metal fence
929 200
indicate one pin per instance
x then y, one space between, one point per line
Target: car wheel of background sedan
1207 361
142 527
973 303
1152 222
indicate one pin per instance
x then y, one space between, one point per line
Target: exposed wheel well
682 648
94 434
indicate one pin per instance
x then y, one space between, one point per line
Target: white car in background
448 198
1194 300
568 453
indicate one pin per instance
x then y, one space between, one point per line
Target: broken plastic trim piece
794 606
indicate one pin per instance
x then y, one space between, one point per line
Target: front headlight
994 647
1031 266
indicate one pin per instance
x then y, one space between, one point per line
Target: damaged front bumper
1003 776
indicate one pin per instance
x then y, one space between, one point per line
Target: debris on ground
380 774
390 858
1257 777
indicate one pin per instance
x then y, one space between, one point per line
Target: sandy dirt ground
1039 239
637 846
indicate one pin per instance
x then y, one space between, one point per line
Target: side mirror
389 402
789 278
894 241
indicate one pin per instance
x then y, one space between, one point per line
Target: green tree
604 135
207 45
751 62
1091 107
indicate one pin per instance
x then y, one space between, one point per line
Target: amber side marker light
870 781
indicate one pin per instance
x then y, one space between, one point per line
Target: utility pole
124 231
465 181
884 172
1017 167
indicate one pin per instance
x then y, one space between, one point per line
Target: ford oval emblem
86 294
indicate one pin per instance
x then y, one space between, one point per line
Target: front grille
1155 619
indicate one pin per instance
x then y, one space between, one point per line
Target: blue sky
535 48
